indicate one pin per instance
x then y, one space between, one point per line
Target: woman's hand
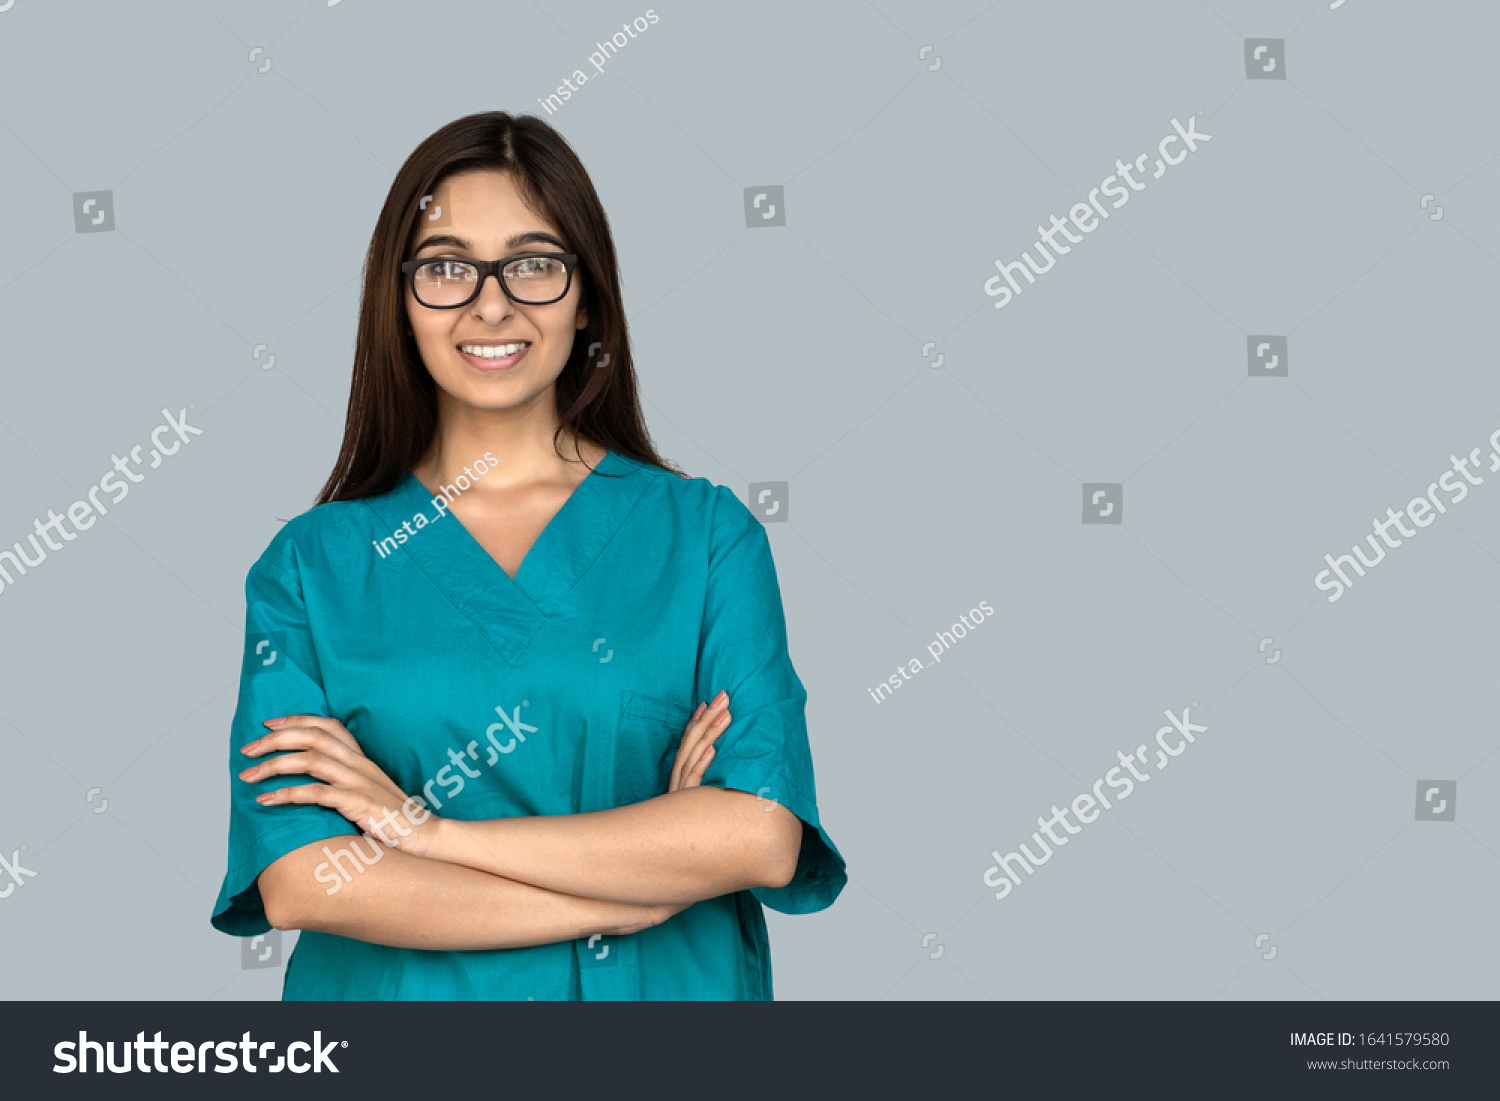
697 748
355 786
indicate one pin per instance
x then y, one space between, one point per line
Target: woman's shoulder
322 533
702 495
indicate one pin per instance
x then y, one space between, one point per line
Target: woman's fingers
704 729
323 749
320 722
684 748
691 744
345 791
695 777
337 799
303 793
319 739
308 762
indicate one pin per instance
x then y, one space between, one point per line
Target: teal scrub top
645 594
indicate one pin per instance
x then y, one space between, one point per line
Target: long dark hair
392 412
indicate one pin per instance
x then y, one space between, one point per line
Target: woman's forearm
687 846
406 901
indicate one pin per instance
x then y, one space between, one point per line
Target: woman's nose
492 302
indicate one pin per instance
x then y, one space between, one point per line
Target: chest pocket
650 734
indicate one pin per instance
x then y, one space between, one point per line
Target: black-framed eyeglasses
528 278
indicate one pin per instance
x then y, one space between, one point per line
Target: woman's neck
508 458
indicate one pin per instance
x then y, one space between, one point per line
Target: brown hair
392 412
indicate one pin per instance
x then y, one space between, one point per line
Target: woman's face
486 219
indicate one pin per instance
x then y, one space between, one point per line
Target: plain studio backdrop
808 200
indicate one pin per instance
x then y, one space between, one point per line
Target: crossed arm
511 882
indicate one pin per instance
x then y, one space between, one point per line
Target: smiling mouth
494 356
494 351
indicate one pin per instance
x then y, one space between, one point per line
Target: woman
499 538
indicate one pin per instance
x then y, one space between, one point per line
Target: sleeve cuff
820 874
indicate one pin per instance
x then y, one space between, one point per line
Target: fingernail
266 798
721 698
251 747
275 722
723 719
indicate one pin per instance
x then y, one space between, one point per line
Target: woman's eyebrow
531 237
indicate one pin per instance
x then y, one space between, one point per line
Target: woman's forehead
481 210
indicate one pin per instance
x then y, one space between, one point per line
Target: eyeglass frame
486 269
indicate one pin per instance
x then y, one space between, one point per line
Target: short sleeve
765 750
279 675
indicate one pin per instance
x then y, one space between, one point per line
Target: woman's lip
484 364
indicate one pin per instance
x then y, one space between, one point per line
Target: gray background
243 202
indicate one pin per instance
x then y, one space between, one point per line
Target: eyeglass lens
447 282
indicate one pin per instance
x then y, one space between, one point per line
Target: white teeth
499 351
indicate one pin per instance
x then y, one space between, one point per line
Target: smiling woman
476 356
584 591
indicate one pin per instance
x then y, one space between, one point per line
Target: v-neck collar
509 611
